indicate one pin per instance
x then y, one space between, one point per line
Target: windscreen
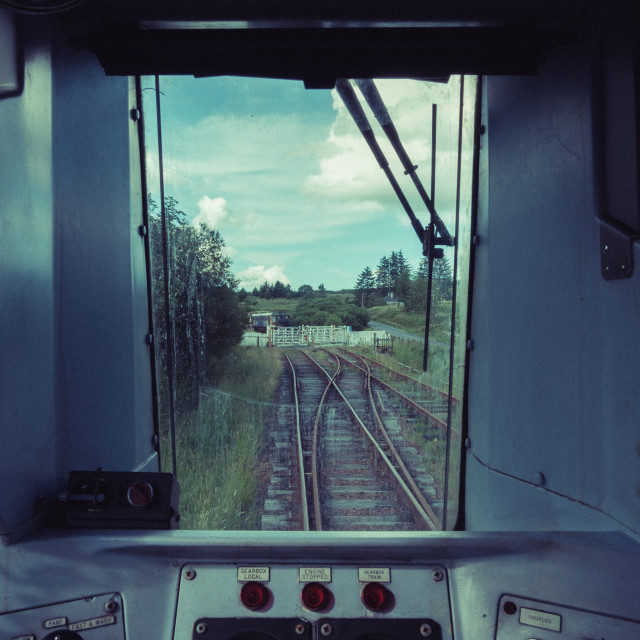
300 239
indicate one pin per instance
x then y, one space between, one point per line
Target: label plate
55 622
83 625
374 574
540 619
253 574
314 574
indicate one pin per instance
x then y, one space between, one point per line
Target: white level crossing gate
283 336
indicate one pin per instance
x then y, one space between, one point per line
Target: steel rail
421 517
436 422
443 394
396 456
303 482
315 484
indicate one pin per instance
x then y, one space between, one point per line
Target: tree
329 311
278 290
423 268
383 276
397 266
403 285
203 303
417 298
442 279
224 324
305 290
365 287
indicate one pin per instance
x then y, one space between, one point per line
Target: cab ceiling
320 41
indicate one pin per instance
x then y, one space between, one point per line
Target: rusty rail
394 452
303 482
433 420
420 515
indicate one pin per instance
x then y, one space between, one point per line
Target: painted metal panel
28 439
75 380
552 413
153 573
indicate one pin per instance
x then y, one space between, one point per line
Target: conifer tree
365 287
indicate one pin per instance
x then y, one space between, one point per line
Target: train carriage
260 322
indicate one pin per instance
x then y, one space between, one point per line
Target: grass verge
219 444
413 321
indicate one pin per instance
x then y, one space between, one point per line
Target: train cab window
290 286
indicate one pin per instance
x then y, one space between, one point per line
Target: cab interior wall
552 410
551 486
76 374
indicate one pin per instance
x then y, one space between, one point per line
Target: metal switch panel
524 619
313 601
102 615
121 500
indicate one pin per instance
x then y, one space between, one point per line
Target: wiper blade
373 98
348 96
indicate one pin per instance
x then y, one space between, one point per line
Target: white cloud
257 274
229 252
212 211
348 170
288 189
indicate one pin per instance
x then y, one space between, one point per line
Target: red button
254 595
140 494
376 596
315 596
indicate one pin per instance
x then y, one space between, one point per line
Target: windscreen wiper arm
373 98
348 96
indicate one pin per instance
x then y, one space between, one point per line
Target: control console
524 619
312 602
98 617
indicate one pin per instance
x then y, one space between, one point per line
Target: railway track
338 464
431 403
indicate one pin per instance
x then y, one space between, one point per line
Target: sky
285 176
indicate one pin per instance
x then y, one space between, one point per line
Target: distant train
261 321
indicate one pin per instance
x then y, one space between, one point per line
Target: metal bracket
616 252
432 243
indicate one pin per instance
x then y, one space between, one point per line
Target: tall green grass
219 445
414 321
407 358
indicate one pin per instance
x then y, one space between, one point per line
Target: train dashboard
189 585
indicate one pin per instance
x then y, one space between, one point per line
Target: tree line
280 290
393 278
205 316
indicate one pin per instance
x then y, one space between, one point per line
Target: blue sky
286 178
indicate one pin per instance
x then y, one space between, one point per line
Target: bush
330 311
